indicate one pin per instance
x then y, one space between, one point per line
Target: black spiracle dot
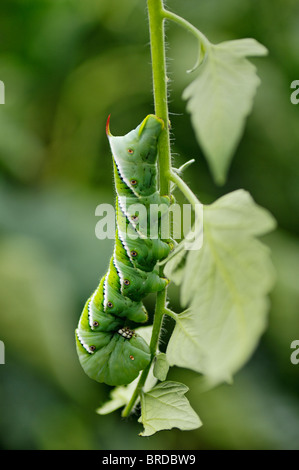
126 282
92 348
109 304
95 323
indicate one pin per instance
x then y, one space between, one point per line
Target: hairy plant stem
157 41
184 188
188 26
157 15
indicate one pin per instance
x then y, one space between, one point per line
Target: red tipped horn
107 126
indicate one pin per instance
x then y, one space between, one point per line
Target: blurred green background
66 65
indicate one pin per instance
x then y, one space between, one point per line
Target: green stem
127 410
157 40
160 310
170 313
188 26
184 188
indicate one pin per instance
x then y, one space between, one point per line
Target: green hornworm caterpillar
109 351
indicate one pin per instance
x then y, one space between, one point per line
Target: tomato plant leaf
161 367
225 286
220 98
166 407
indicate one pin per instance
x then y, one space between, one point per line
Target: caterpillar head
135 158
139 145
